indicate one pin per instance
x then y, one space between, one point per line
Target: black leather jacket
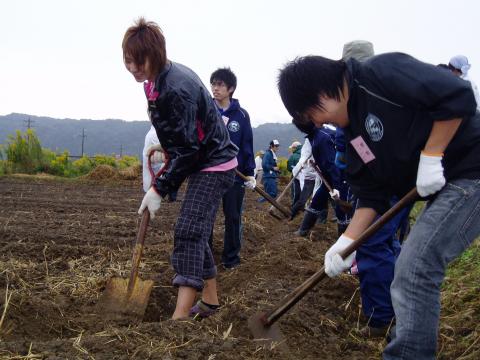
188 125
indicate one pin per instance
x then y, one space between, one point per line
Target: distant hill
114 136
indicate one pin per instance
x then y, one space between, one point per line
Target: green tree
83 165
101 159
24 152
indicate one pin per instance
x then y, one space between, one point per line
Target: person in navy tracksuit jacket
323 151
224 82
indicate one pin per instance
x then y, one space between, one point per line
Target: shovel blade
117 301
269 336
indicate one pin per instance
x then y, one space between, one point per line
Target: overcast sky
63 58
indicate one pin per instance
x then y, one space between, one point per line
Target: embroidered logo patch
374 127
234 126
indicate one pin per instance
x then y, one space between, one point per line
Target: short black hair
306 127
302 80
226 75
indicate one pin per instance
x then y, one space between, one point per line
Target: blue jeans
232 209
270 186
446 227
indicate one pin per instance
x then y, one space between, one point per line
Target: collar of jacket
161 77
352 68
234 105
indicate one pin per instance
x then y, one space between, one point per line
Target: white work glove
334 264
251 183
335 194
152 201
430 177
157 157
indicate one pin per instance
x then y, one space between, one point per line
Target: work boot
322 216
341 229
309 219
374 332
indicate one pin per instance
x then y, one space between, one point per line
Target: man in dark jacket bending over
406 124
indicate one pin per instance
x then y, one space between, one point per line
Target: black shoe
309 219
322 217
230 267
301 233
374 332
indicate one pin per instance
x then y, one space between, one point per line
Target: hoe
344 205
263 325
271 200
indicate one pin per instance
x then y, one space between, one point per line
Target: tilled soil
62 240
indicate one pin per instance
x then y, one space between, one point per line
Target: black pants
295 191
232 209
307 191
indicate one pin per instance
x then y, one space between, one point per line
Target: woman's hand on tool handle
361 220
251 183
158 156
152 200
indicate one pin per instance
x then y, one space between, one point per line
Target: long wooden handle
283 193
271 200
137 251
344 205
319 172
295 296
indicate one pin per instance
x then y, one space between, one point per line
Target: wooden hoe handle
266 196
290 300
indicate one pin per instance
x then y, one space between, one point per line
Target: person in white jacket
258 171
151 143
307 177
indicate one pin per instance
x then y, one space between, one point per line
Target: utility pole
121 150
29 122
83 138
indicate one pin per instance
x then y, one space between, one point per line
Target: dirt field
62 240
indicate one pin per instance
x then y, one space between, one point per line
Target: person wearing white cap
459 66
270 169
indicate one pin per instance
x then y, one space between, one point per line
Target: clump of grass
460 318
